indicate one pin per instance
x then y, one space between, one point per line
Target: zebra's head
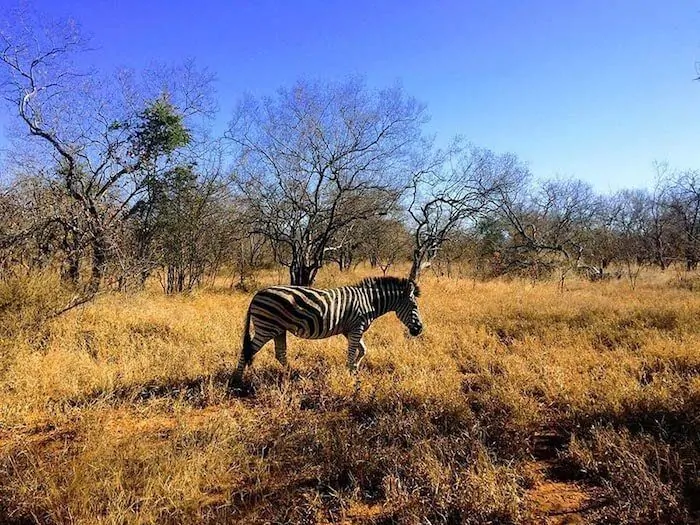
407 310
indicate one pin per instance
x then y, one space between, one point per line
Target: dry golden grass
118 412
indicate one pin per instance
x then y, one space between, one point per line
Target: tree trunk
302 275
415 271
71 272
169 278
180 280
99 260
344 261
661 260
421 261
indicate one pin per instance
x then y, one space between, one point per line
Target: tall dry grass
118 412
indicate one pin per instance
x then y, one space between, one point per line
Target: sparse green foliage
160 130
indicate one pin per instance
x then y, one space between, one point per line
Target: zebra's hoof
235 385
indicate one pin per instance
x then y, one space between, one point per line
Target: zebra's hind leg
236 381
281 348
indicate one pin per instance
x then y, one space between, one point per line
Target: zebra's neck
383 299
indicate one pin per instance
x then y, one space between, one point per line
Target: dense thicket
112 180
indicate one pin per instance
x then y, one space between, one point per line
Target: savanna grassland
518 404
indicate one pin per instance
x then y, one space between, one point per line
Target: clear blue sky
594 89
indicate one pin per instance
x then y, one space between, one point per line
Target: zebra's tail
247 342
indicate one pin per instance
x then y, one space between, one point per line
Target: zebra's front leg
354 344
361 350
281 349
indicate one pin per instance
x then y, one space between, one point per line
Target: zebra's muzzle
415 330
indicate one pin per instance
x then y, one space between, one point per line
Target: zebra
313 313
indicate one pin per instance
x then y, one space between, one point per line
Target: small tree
186 213
631 224
384 241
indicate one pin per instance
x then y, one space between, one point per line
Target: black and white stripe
313 313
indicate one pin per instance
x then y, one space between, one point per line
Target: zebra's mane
398 282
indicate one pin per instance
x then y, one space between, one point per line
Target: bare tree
345 245
40 227
633 222
456 187
658 227
548 225
319 157
250 253
380 240
458 249
684 208
599 239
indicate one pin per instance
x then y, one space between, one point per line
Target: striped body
309 313
312 313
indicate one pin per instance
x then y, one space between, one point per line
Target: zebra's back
310 313
303 311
